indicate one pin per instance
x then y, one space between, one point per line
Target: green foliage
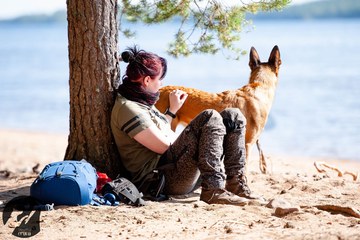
205 26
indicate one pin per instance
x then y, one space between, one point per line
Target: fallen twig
333 208
318 165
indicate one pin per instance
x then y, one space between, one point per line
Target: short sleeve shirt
128 118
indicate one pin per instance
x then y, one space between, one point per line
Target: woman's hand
176 100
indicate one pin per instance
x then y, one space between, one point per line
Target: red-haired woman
211 147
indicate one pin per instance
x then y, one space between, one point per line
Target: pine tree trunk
94 71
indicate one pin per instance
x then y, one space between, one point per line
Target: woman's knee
212 113
233 119
209 115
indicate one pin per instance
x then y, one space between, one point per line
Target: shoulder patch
131 124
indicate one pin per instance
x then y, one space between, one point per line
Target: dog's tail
262 160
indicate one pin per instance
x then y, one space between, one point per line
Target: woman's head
143 64
142 80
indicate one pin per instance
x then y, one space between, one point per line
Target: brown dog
254 100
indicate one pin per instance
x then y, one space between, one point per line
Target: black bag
153 185
124 191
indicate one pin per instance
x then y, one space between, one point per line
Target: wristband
167 111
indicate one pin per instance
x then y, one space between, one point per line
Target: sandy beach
314 205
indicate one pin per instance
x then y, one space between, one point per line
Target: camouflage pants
212 147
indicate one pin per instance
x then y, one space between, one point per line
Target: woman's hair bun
127 56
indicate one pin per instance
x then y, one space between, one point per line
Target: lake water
316 111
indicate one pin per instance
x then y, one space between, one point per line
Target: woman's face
153 84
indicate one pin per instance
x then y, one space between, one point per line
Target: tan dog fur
254 99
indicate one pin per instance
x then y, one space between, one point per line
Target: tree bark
94 72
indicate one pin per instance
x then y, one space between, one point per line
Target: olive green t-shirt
129 118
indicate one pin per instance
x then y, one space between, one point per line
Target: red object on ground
101 181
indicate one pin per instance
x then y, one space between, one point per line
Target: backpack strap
108 199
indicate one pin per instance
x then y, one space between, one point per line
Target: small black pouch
152 186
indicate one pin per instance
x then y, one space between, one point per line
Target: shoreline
54 144
65 135
293 179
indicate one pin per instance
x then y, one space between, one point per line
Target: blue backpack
67 182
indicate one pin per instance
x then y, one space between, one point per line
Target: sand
306 194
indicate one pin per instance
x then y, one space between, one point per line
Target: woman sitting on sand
146 142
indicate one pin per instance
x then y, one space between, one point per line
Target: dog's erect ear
254 60
274 58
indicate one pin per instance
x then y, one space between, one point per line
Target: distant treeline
313 10
59 16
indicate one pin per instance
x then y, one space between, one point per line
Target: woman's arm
154 139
